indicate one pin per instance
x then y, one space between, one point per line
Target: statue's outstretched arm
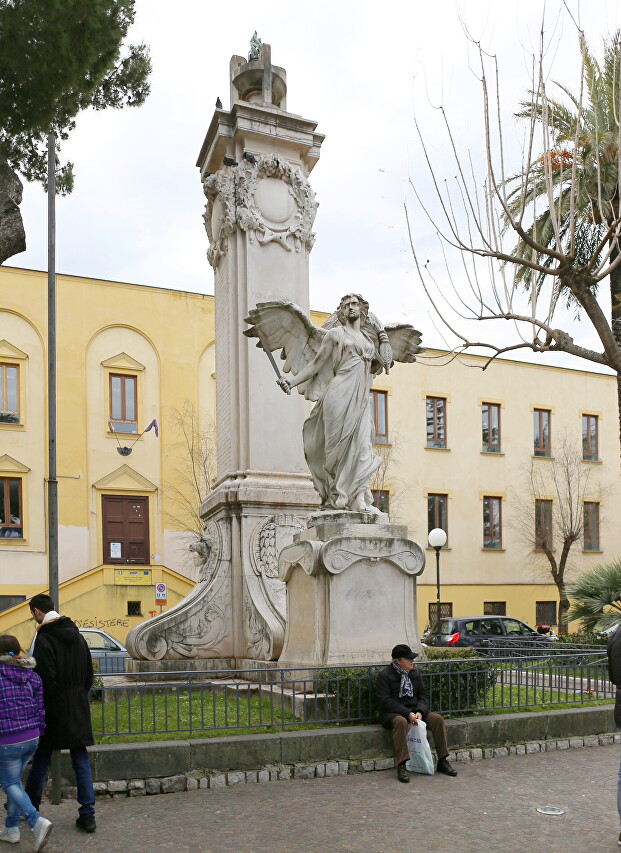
312 368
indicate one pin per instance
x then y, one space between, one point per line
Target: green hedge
350 691
587 638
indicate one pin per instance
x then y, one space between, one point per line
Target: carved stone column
254 165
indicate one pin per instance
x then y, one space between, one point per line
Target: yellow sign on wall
132 577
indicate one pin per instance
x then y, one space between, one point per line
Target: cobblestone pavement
490 806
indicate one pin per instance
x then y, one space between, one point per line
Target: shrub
587 638
462 684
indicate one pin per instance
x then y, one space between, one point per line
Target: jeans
13 759
83 777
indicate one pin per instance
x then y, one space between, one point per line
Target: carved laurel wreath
235 186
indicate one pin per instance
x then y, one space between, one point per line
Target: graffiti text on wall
102 623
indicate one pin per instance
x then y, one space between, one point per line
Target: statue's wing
286 327
404 340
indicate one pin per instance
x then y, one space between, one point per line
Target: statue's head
345 300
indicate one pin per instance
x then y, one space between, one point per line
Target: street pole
437 540
438 583
52 481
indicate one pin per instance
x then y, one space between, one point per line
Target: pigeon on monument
249 156
228 161
218 104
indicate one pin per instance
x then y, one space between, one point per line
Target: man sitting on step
403 699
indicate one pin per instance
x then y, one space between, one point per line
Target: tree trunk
563 609
12 234
615 320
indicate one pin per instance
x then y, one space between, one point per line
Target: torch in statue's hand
284 385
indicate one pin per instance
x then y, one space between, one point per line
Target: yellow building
457 441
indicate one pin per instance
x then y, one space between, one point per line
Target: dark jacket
388 684
66 669
614 670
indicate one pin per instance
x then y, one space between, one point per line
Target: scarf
405 688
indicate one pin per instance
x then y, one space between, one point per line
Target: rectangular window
591 526
545 613
134 608
437 513
381 499
446 611
378 401
11 508
9 394
123 403
495 608
541 430
490 413
590 448
436 421
543 524
492 523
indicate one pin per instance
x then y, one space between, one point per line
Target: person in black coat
614 671
403 699
66 668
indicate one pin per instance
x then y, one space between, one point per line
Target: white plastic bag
421 760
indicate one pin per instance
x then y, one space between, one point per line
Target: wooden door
125 530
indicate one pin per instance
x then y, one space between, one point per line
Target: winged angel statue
334 366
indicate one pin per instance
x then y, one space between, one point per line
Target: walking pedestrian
22 720
614 671
66 669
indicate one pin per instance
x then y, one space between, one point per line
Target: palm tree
570 194
597 597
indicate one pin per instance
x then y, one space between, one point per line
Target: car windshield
447 626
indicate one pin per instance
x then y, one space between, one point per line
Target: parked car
108 654
485 633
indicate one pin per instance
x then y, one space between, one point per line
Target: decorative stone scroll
269 199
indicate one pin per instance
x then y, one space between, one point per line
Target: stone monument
351 592
254 166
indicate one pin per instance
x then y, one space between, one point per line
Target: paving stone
100 788
380 764
304 772
320 771
251 776
343 768
606 740
114 787
236 777
576 742
173 784
332 768
367 765
263 776
284 773
153 786
191 784
550 746
203 783
217 781
490 806
501 751
476 754
488 753
617 738
520 749
591 740
562 744
462 755
532 746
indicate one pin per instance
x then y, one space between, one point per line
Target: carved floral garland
235 186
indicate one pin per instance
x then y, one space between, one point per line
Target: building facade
462 449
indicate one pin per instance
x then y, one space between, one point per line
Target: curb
206 779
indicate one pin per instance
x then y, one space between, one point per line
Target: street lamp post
437 540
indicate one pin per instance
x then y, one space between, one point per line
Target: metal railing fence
263 700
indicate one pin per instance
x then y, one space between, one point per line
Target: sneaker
11 834
86 822
41 831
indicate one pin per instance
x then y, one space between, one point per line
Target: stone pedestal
351 590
